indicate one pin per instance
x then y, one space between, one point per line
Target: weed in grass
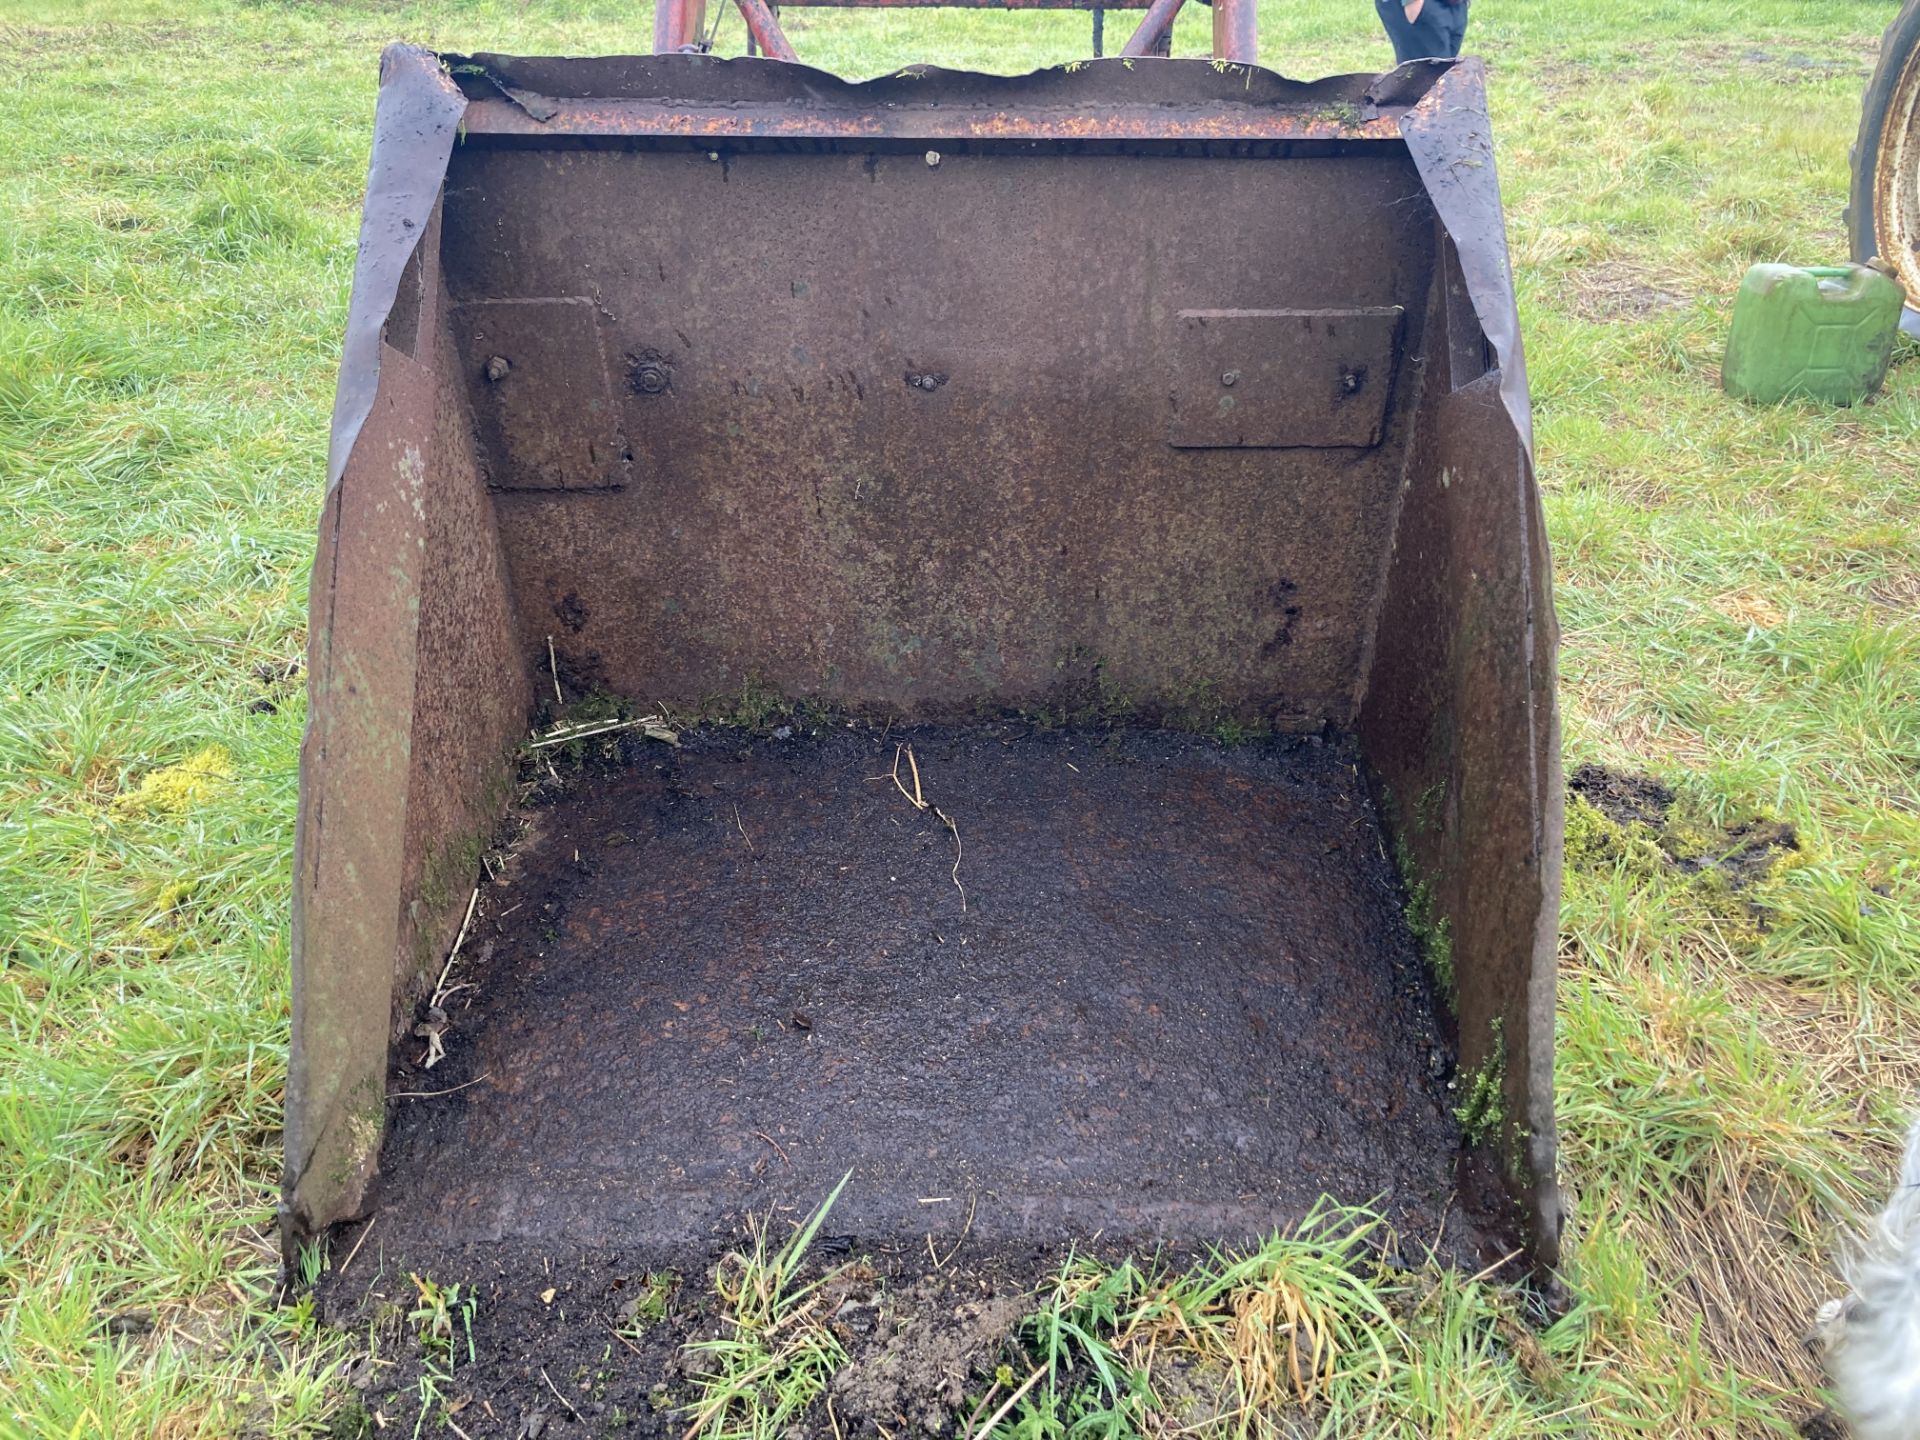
442 1325
442 1319
1090 1387
1292 1316
650 1304
775 1355
1311 1333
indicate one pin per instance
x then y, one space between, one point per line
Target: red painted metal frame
766 31
1157 22
680 24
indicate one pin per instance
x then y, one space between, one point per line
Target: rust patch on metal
635 117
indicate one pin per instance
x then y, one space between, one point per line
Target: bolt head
933 157
1231 377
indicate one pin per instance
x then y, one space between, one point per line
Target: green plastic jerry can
1824 332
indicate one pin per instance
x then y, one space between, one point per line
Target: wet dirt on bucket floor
1142 985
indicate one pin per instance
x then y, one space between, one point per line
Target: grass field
1739 590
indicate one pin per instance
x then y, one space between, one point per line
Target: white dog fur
1870 1340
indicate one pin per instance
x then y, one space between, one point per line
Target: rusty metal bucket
908 397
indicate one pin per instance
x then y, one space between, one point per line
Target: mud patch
567 1344
1623 818
1823 1425
1621 796
545 1347
927 1351
1194 1395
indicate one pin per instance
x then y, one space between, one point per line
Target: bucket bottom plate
1155 988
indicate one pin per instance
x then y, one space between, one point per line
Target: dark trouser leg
1435 34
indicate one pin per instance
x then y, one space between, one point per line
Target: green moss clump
1426 810
164 932
1432 931
175 789
757 707
1686 841
1482 1110
1726 869
1593 842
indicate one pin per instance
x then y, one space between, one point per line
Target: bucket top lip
1111 98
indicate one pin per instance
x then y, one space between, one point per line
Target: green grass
774 1356
1739 591
1310 1333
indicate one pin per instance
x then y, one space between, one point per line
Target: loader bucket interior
1146 447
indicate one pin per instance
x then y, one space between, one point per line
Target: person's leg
1457 24
1427 34
1394 21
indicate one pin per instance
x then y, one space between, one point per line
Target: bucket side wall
416 698
1460 728
472 691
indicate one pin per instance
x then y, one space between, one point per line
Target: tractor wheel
1883 213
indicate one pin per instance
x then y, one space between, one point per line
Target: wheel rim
1896 182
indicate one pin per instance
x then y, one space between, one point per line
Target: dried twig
1006 1406
459 939
557 1395
654 726
1440 1232
776 1146
959 851
357 1244
913 796
553 669
919 801
436 1048
966 1229
742 829
436 1094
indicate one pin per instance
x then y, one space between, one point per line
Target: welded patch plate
524 361
1180 1001
1273 379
